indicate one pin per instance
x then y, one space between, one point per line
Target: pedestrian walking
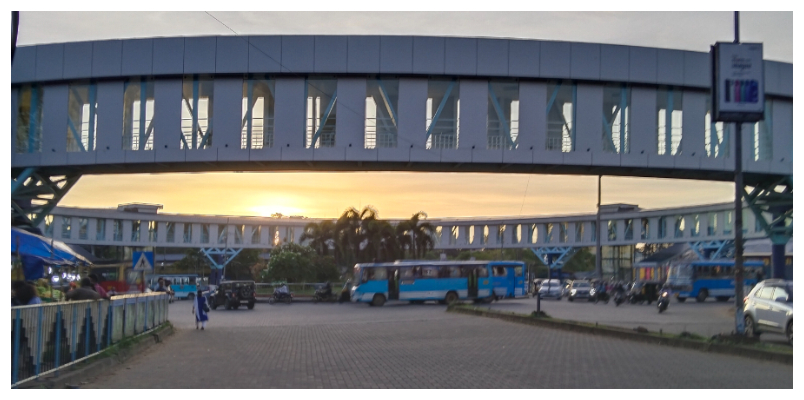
200 310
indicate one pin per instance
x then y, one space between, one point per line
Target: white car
769 308
550 288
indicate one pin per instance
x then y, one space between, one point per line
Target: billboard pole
738 210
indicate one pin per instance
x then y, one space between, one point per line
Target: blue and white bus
184 286
715 278
442 281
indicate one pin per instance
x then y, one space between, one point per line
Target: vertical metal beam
39 341
58 343
143 101
574 113
91 133
249 112
623 122
32 119
668 124
195 113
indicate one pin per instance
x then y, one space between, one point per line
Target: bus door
471 278
393 284
484 283
511 283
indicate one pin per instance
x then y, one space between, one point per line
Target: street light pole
598 252
738 210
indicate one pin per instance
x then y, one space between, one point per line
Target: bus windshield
680 271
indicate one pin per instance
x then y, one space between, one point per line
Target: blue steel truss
229 255
325 117
439 110
35 194
713 248
775 199
559 255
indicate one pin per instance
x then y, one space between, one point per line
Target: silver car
579 290
769 308
550 288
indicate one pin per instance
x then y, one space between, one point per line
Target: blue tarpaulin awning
37 251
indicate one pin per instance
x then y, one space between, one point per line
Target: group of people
89 288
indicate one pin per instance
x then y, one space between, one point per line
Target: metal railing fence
48 337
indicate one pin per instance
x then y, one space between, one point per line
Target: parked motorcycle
281 294
663 302
599 295
619 298
325 294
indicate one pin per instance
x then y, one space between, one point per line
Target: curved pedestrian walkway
407 346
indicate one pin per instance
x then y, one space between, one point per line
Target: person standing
85 292
97 286
200 310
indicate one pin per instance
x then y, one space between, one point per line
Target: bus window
406 272
518 271
454 272
443 272
430 272
192 280
499 271
368 274
417 272
482 272
380 274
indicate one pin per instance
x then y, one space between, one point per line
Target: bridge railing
49 337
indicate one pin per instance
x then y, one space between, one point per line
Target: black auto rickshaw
644 291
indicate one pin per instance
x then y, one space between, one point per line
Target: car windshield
580 285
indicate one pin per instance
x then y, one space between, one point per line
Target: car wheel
702 295
228 304
213 305
750 327
570 298
790 332
251 306
451 298
378 300
558 298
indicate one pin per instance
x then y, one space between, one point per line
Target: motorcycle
619 298
325 295
282 295
663 302
599 296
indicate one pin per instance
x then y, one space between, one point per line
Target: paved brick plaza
303 345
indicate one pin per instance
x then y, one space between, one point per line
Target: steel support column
35 194
774 199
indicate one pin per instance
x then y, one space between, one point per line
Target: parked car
579 290
550 288
769 308
232 294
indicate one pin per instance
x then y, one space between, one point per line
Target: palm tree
381 241
320 236
347 235
421 234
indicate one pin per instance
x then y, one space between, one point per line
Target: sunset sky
398 195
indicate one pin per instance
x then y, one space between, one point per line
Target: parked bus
119 278
442 281
184 286
702 279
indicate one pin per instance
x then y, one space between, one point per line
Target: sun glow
268 210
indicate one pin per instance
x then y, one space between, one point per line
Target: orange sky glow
394 194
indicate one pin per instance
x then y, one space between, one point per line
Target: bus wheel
702 295
378 300
191 296
451 298
722 298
